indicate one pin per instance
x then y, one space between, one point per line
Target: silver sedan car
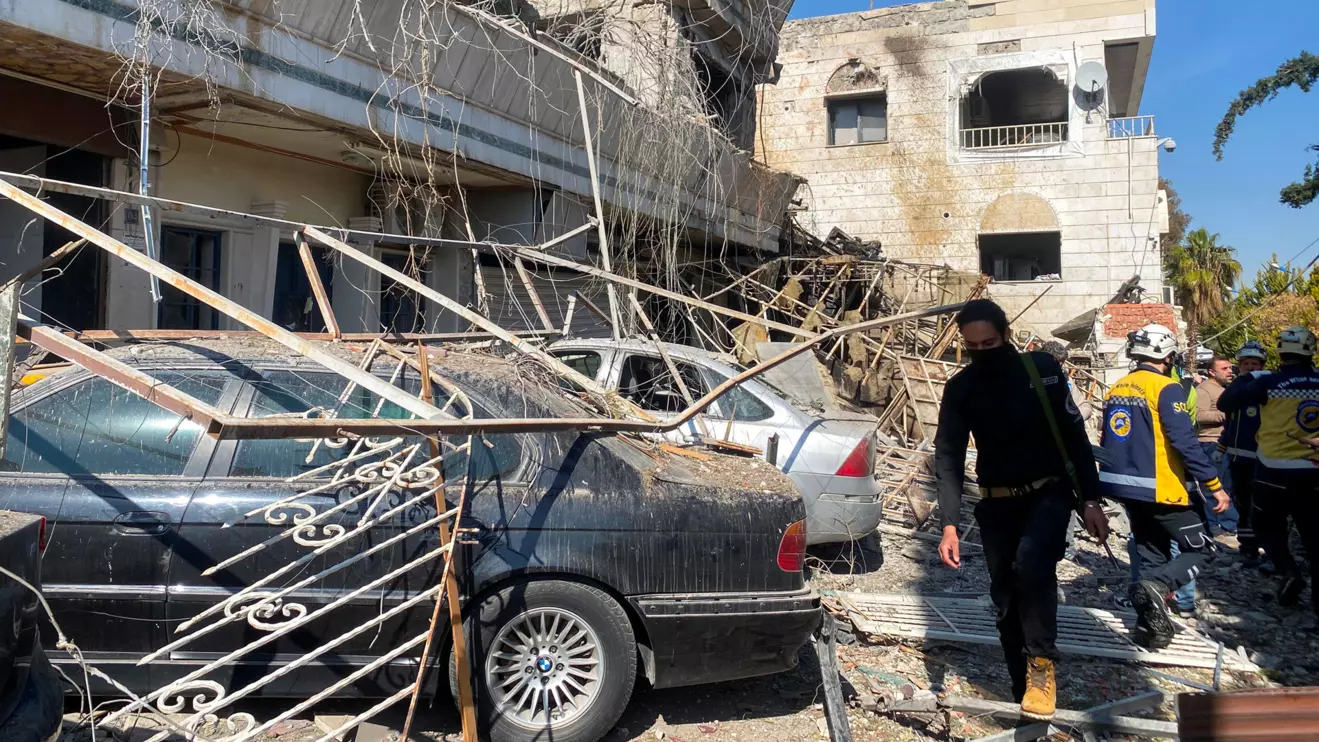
830 456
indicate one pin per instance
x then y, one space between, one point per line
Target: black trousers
1024 538
1242 472
1154 527
1278 494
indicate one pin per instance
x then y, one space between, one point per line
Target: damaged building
332 113
1002 138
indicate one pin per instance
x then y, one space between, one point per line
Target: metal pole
144 177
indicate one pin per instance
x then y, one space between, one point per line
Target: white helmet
1252 349
1152 342
1297 341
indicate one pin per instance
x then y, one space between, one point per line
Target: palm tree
1201 273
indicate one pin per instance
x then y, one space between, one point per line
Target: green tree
1201 273
1302 72
1178 219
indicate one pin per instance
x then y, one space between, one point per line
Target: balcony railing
1133 126
1016 136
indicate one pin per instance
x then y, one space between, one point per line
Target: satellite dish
1091 83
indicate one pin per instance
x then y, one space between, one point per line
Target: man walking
1238 445
1150 447
1209 422
1287 477
1033 457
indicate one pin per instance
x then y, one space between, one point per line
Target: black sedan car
682 571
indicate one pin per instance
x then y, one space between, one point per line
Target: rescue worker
1286 476
1238 445
1150 447
1028 476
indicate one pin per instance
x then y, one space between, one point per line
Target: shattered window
282 392
736 403
97 428
646 381
584 362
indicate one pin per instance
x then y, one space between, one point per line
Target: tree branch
1301 71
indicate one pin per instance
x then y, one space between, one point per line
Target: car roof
647 346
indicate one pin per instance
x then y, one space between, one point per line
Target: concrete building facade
964 133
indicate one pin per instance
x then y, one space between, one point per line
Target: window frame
856 98
221 462
217 270
316 321
202 451
386 294
981 257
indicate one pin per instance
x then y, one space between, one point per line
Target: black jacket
997 404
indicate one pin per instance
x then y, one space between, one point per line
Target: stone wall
923 196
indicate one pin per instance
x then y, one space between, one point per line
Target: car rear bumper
709 638
838 518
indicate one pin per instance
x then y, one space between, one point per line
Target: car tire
597 642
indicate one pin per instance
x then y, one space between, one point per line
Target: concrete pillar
265 258
356 297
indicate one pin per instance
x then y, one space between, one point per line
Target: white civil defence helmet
1297 341
1153 342
1252 349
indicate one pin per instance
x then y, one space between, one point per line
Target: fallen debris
1109 717
1086 631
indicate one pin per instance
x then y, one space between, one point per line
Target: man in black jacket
1028 491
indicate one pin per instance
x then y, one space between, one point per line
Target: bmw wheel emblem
544 664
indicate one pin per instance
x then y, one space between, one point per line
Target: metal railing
1015 136
1130 127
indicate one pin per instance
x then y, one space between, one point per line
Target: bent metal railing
1014 136
384 473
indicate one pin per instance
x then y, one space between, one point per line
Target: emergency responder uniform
1028 497
1286 477
1150 446
1237 442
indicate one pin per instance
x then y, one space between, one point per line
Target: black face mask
993 357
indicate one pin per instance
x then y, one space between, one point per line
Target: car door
743 415
112 474
645 380
250 475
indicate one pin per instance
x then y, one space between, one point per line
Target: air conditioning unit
1168 297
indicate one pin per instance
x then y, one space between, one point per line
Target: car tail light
858 463
792 548
41 535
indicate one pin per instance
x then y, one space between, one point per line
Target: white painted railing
1130 127
1015 136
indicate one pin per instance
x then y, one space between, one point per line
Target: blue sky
1205 52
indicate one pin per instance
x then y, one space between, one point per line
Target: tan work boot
1040 700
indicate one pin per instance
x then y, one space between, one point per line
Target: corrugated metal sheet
512 308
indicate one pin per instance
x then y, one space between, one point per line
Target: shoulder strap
1038 384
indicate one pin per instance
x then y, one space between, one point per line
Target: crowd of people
1197 467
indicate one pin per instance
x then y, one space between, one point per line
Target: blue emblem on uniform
1119 421
1252 411
1307 416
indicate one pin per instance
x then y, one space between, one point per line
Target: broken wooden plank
731 447
317 288
679 450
